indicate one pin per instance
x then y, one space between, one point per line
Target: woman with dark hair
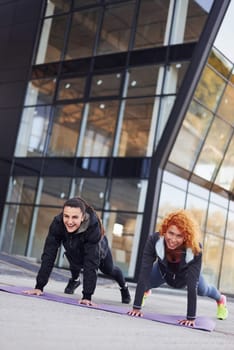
79 229
174 256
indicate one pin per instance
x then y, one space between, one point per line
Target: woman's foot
222 311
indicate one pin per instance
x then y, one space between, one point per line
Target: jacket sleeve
51 246
194 270
91 260
148 258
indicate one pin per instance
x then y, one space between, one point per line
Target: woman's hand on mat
86 302
135 312
189 323
33 292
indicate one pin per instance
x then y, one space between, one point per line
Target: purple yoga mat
202 323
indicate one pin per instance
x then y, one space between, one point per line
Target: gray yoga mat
202 323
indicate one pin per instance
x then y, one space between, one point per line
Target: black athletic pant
106 266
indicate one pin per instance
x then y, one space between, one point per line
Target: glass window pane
121 229
16 230
82 34
226 107
55 191
65 130
136 127
33 130
192 135
116 28
225 177
212 253
230 222
209 89
92 190
196 19
220 63
71 88
106 84
199 191
118 198
78 3
198 207
171 198
227 273
100 129
52 40
174 75
176 180
216 221
151 24
44 218
57 6
40 91
23 190
142 81
213 149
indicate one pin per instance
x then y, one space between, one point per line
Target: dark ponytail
78 202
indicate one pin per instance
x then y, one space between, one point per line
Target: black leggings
107 267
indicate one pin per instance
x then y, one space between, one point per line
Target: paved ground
29 323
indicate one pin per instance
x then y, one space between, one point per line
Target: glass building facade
124 107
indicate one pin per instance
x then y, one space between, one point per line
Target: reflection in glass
196 19
100 129
198 191
116 28
55 7
210 88
174 74
226 107
55 191
45 215
171 198
71 88
82 34
230 223
91 189
220 63
65 130
212 253
225 176
142 81
213 149
52 40
216 220
130 202
33 130
121 230
198 206
151 24
77 3
191 135
17 226
40 91
227 272
106 84
23 190
135 127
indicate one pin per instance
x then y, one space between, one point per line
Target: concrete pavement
29 323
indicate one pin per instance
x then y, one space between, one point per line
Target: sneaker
145 296
222 311
125 295
71 286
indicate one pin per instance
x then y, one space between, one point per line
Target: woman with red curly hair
174 256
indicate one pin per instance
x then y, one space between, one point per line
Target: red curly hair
186 223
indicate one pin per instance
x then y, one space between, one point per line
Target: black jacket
186 274
81 248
